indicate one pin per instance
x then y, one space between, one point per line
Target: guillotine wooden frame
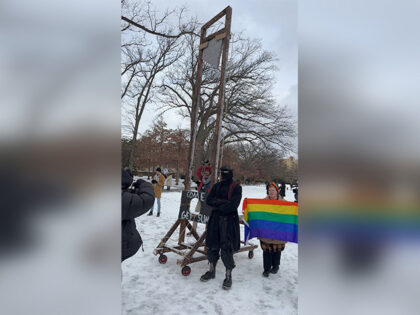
183 223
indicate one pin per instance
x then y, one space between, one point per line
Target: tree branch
157 33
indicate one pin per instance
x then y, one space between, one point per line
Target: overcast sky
272 21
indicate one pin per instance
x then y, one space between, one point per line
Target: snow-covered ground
174 186
152 288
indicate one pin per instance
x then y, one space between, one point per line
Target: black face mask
227 175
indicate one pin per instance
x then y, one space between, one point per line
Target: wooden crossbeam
203 45
215 34
199 243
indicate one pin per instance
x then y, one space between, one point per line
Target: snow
174 187
152 288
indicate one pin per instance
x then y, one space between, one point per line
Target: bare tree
134 12
144 57
161 49
252 115
257 163
163 147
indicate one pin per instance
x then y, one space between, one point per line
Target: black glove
154 181
138 182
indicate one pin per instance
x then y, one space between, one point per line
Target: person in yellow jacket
158 182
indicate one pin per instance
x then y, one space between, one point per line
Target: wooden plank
198 250
176 250
166 249
167 236
188 246
221 36
182 246
211 36
201 252
173 249
198 244
193 232
203 45
216 18
163 250
194 113
220 101
182 231
246 248
184 262
200 258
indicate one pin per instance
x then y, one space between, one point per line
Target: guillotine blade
212 53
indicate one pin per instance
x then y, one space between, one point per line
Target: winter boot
158 215
267 263
211 274
275 261
150 213
227 283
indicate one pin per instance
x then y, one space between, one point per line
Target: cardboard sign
184 211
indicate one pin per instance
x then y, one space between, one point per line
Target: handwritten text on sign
184 211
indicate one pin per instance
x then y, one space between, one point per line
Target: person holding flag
272 248
274 221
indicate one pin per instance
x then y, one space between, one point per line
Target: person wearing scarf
271 248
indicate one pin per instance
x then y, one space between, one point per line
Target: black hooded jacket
134 203
223 225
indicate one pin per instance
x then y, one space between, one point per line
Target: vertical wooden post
194 112
221 100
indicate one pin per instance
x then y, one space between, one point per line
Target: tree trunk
133 145
177 172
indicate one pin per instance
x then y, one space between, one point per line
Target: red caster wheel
186 271
163 259
250 254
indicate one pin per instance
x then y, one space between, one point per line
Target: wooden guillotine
210 48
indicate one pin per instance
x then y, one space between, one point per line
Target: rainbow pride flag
275 219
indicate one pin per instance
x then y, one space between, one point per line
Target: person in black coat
223 227
295 192
282 189
135 201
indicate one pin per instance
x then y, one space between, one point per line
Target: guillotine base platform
187 250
